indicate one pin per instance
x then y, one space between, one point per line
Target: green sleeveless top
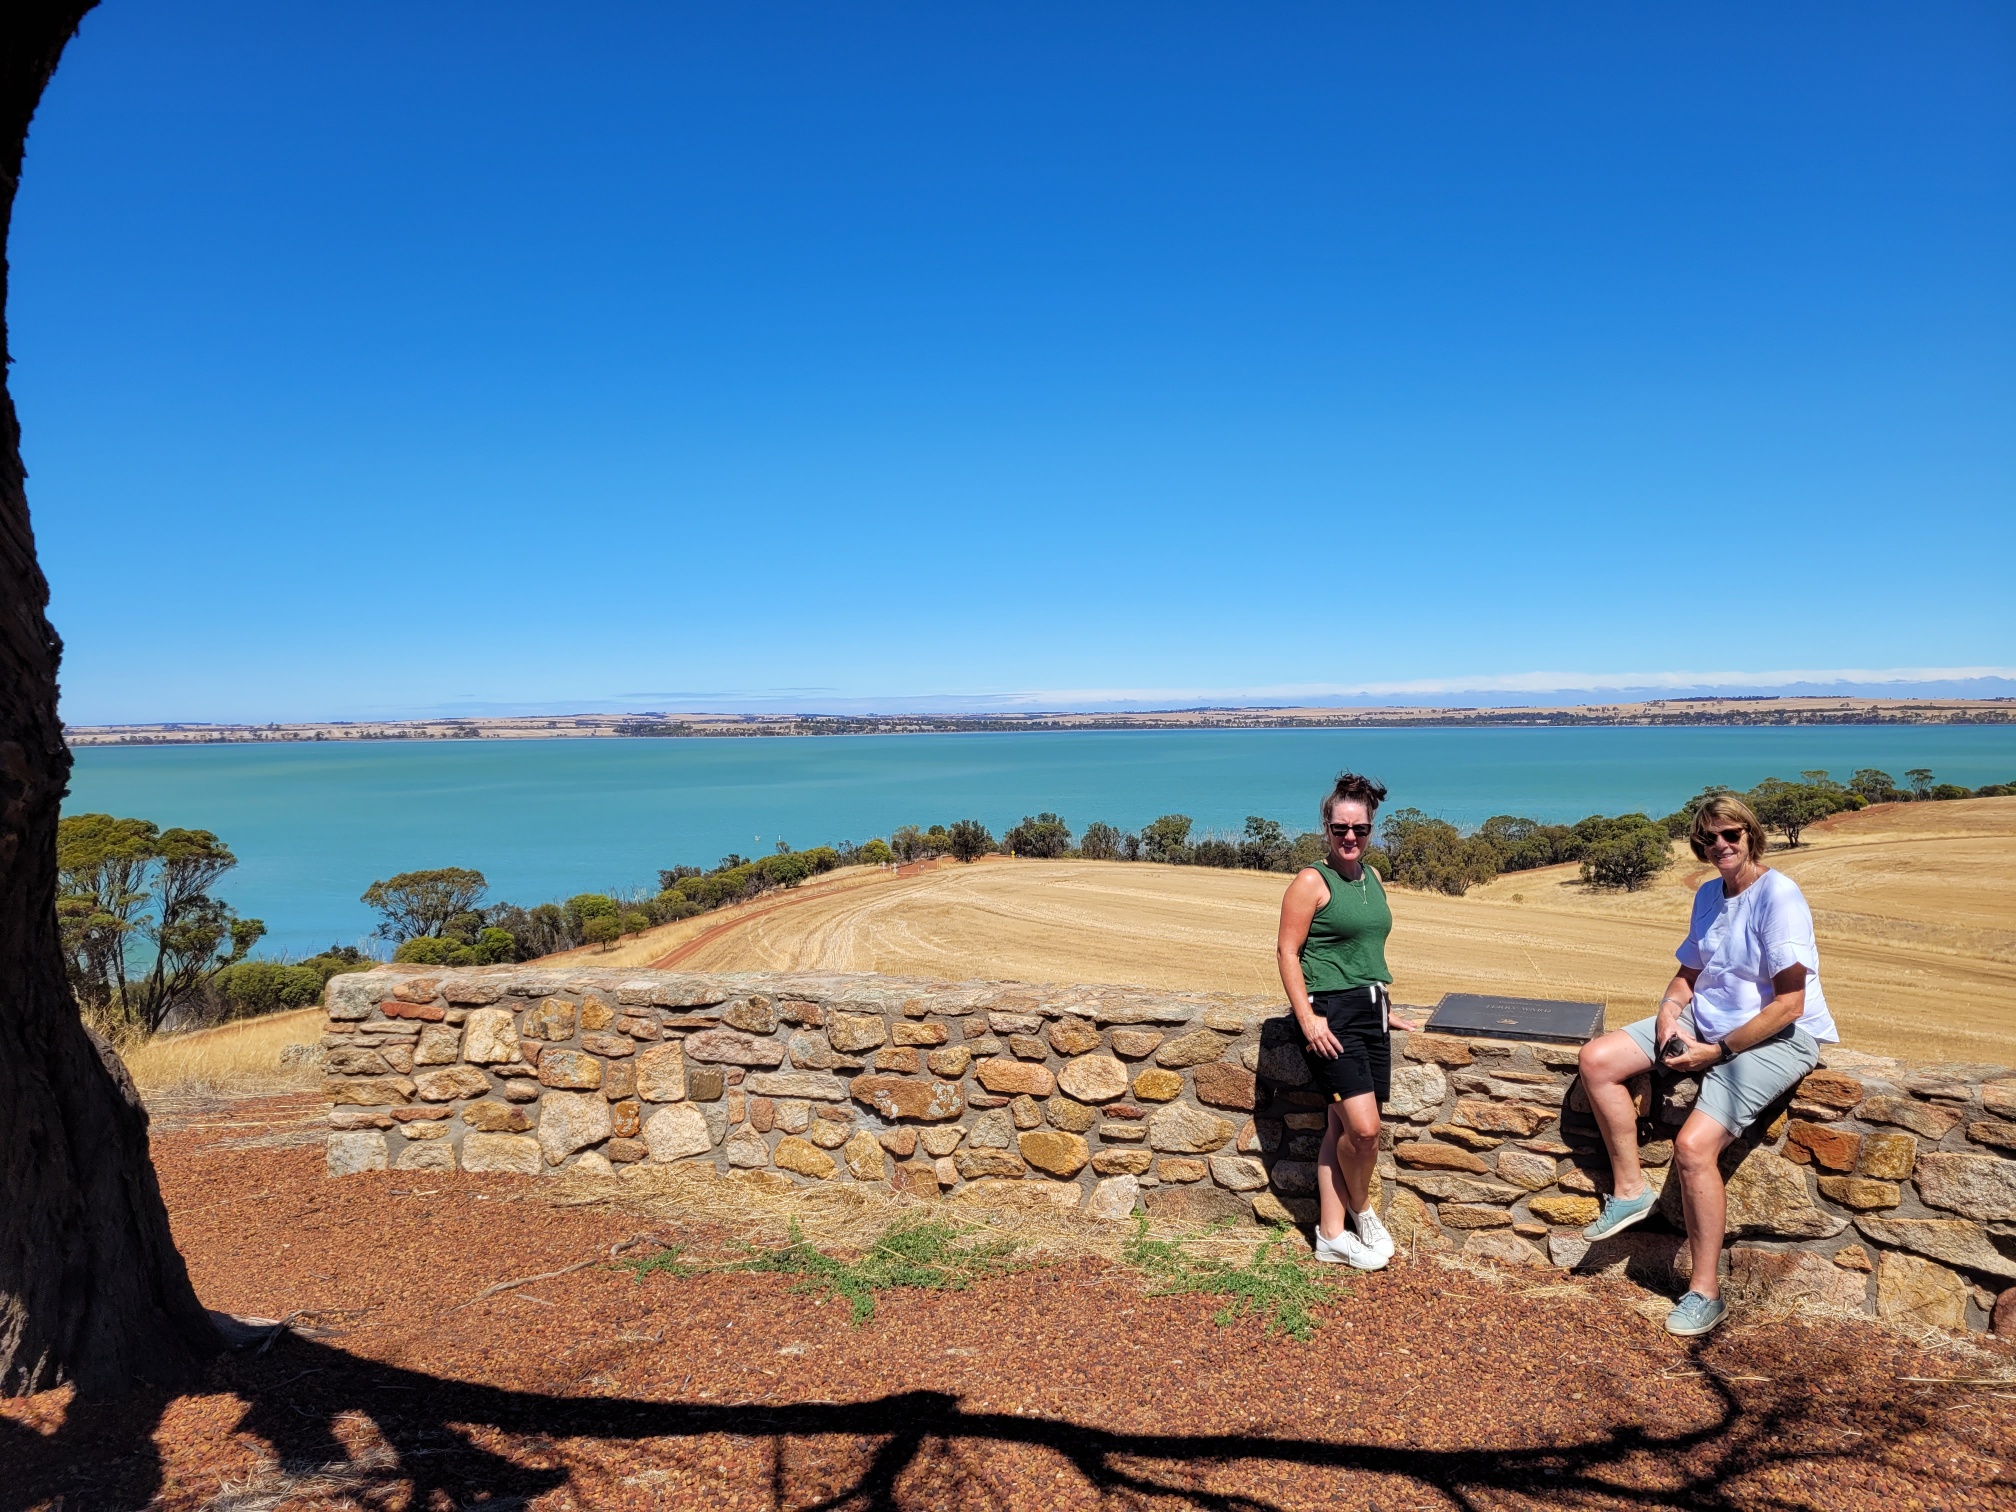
1346 947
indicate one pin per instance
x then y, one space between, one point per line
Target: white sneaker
1374 1235
1346 1249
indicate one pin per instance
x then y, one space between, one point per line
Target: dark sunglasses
1728 836
1360 830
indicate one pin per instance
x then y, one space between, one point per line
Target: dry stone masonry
1877 1187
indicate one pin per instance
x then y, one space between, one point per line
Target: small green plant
927 1253
669 1261
1275 1284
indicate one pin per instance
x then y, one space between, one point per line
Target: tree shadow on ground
337 1427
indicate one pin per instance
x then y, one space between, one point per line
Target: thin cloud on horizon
1543 688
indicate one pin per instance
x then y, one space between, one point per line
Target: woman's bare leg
1344 1162
1607 1063
1697 1156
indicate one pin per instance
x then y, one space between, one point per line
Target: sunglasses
1362 831
1727 837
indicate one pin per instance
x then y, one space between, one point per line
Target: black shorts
1358 1019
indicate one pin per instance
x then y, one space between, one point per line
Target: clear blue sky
382 358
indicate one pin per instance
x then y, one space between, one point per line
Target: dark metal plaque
1549 1019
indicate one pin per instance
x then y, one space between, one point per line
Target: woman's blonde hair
1724 808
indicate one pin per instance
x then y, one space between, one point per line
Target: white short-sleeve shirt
1738 944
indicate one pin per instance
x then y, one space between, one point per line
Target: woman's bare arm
1678 994
1785 1008
1305 895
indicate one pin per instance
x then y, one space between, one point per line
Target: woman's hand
1695 1057
1411 1025
1319 1038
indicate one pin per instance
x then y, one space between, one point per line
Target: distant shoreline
1761 711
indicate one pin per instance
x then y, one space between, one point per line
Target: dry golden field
228 1058
1916 905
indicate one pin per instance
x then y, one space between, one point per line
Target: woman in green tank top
1332 954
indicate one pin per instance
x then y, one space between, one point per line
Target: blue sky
382 359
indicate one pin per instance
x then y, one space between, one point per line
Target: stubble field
1914 905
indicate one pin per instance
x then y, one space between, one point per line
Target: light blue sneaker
1619 1213
1695 1314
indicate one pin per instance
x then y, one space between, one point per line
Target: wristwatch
1727 1054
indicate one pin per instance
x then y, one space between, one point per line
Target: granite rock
1497 1244
1792 1280
853 1032
1238 1173
1155 1085
734 1048
905 1097
1115 1197
1860 1193
1928 1120
803 1157
354 1151
1093 1079
488 1037
572 1070
1136 1044
1054 1152
1417 1089
553 1021
1917 1293
1430 1155
677 1131
864 1157
1953 1240
1975 1186
517 1154
496 1118
1180 1129
570 1121
1523 1168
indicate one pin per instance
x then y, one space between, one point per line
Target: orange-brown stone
1830 1149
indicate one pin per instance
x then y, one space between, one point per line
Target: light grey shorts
1735 1092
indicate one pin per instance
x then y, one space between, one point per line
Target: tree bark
92 1290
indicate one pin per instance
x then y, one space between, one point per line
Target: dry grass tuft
239 1059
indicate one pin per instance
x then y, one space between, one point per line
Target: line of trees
148 943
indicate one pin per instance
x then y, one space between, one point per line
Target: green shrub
1166 838
433 950
874 853
1044 837
969 840
1431 855
1100 842
1628 857
255 987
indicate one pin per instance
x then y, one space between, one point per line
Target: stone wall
1878 1187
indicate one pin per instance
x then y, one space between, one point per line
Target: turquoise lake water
315 824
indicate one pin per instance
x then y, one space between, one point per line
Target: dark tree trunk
91 1288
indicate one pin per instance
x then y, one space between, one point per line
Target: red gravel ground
1063 1386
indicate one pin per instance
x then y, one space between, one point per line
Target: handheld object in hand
1673 1046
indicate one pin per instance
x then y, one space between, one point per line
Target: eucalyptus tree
92 1290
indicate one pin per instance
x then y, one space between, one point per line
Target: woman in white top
1745 1009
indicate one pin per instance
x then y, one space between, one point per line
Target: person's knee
1697 1149
1598 1062
1364 1127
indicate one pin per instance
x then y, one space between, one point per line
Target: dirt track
1917 930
